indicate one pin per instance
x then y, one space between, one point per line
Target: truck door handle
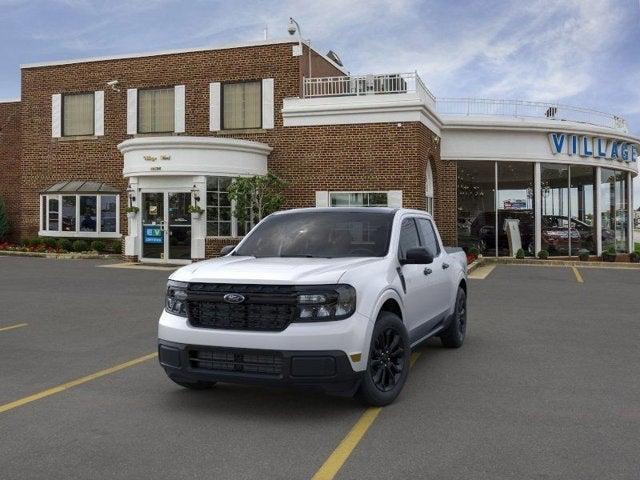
445 266
427 271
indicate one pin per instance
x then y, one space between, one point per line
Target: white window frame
330 193
46 232
234 220
429 191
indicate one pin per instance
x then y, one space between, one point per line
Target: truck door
440 284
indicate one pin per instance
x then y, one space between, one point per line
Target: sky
577 52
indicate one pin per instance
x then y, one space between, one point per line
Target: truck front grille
255 362
264 308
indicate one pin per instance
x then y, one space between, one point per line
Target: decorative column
131 244
598 210
537 206
199 222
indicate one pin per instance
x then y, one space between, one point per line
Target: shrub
583 254
98 246
543 254
610 254
634 257
35 241
25 242
115 246
520 254
80 246
65 244
50 242
474 251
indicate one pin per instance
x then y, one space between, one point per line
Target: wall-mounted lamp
132 194
195 192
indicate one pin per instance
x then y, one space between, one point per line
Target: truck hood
271 270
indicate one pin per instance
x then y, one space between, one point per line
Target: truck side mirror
226 250
417 256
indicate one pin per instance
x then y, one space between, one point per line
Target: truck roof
387 210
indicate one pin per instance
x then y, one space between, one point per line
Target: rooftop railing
356 85
526 109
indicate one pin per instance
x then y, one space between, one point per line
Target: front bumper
326 370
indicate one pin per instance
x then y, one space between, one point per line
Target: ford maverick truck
333 299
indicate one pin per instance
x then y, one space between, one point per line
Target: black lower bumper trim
329 371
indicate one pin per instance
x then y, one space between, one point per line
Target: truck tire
388 364
193 385
453 335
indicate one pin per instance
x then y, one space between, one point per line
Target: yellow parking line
3 329
74 383
578 275
337 459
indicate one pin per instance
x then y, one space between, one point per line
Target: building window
241 105
218 207
358 199
78 114
429 190
78 215
614 209
156 110
477 206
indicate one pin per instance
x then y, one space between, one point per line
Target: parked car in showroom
332 298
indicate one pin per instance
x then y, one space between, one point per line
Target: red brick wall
9 161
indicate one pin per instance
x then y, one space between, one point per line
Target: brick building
162 131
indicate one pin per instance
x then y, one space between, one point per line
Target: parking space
544 387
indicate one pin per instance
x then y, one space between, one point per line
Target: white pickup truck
330 298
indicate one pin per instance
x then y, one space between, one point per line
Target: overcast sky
581 52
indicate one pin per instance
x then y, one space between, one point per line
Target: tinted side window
429 239
408 237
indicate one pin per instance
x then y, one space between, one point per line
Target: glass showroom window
582 208
477 206
515 204
358 199
156 110
241 105
555 208
78 114
613 205
78 215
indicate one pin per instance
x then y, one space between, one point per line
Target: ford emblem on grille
233 298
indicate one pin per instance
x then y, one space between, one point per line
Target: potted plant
543 254
634 257
610 254
195 211
583 255
132 211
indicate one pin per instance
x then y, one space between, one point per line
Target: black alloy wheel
387 359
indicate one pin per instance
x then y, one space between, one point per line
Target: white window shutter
394 198
215 111
322 199
56 115
98 113
132 111
267 103
179 99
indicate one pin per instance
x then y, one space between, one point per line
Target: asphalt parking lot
547 386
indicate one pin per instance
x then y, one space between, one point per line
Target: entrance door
166 226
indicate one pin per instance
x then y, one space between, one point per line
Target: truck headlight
326 303
176 299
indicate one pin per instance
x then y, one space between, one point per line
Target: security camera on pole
292 29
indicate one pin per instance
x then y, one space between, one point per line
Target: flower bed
54 246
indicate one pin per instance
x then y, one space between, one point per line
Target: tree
4 221
256 197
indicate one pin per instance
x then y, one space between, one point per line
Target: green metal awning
81 186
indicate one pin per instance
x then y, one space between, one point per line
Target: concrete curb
561 263
60 256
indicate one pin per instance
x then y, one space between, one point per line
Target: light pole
292 29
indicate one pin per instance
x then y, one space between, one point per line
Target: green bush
634 257
583 254
25 242
115 246
543 254
98 246
80 246
50 242
520 254
474 251
65 244
35 241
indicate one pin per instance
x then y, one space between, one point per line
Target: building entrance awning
81 186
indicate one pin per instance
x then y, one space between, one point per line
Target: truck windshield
320 234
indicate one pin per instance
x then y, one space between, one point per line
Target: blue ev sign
596 147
